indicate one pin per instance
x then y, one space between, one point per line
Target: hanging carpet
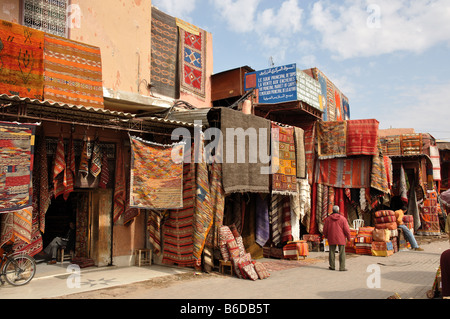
156 179
332 139
72 72
245 175
345 172
362 137
193 62
16 165
284 174
178 246
21 60
164 42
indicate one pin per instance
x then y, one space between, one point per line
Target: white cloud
177 8
423 107
364 28
273 27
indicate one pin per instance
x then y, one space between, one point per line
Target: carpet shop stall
417 179
81 173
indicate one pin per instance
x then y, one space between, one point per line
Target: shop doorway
91 211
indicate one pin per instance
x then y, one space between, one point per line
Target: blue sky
391 58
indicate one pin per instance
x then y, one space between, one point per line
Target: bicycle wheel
20 269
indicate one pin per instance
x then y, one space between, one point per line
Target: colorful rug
362 137
16 225
284 179
203 212
41 192
36 244
379 174
239 177
96 159
70 169
436 161
59 168
72 72
16 165
299 138
391 145
119 185
178 246
156 179
411 144
276 217
164 54
21 61
193 62
331 139
429 216
154 230
262 220
345 172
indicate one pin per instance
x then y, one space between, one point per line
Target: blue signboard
274 85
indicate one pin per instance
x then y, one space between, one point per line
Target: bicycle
16 268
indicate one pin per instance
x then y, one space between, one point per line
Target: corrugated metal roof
65 106
101 111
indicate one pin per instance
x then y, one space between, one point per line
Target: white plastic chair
357 223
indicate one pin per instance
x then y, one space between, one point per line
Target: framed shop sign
274 85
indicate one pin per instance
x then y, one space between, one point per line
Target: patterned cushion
233 249
240 244
261 270
238 261
382 213
248 270
392 225
224 252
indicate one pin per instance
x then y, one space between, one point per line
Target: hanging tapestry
391 145
362 137
119 185
286 226
411 144
218 205
21 60
70 169
178 229
16 225
203 212
345 108
262 220
429 216
299 136
36 244
379 176
310 136
345 172
16 165
241 166
104 175
276 217
193 62
331 139
72 72
41 191
436 161
154 230
83 168
156 175
96 159
164 54
284 176
59 168
331 103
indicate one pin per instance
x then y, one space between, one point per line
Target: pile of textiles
363 240
382 248
295 249
350 246
429 216
385 219
232 249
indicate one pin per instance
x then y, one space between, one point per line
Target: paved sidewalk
408 273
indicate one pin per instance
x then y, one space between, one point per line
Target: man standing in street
337 231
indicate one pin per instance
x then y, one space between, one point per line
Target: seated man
68 241
409 236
